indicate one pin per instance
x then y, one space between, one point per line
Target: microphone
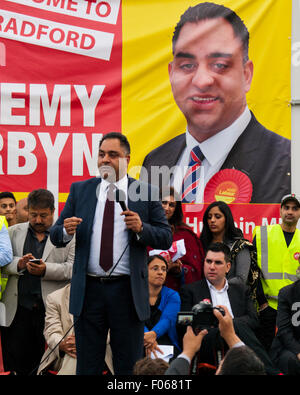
120 198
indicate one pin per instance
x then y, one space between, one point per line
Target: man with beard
37 269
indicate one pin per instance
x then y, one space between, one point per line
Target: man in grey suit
210 75
37 269
110 291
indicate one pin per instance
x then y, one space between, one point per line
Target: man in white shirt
210 75
215 289
109 289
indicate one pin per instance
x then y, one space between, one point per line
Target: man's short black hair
41 198
5 195
121 137
207 10
220 247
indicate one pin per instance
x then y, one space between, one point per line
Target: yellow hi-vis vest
3 277
278 262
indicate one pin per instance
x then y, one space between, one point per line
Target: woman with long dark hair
218 226
190 266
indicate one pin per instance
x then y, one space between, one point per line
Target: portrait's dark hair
157 256
242 361
220 247
209 10
177 217
121 137
231 231
5 195
149 366
41 198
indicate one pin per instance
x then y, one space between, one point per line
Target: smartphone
37 261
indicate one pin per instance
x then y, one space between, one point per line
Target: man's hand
68 346
36 269
132 221
23 261
192 342
70 224
226 327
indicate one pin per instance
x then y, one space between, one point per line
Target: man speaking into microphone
109 289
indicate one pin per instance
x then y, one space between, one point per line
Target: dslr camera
201 316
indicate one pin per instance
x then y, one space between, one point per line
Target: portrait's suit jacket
264 156
156 233
288 334
59 263
241 304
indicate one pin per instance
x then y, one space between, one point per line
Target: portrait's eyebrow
184 55
220 55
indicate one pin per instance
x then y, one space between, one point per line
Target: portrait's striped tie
192 178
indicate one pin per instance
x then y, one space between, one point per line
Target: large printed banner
61 81
73 70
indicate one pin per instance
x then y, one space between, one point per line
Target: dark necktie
192 178
107 236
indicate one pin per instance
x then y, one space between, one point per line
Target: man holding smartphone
37 269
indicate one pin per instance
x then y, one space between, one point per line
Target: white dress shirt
120 234
215 149
220 297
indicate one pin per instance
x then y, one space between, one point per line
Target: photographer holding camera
242 361
200 299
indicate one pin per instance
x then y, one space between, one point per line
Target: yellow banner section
149 114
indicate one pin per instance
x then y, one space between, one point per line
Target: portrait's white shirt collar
218 146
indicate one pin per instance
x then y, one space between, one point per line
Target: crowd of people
219 268
101 291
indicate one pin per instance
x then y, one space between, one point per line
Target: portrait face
169 205
208 76
112 160
216 221
216 268
290 213
40 218
8 208
157 272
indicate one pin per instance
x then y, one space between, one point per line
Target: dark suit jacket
178 367
288 335
264 156
156 233
241 304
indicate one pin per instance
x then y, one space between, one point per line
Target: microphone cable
121 200
74 323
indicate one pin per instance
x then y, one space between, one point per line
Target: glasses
157 268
